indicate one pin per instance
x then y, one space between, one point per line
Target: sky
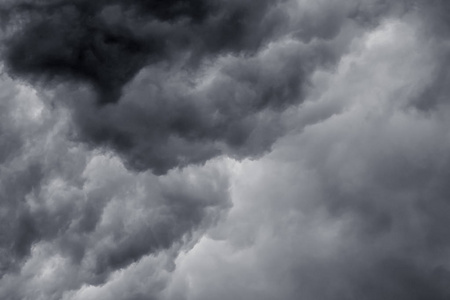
224 149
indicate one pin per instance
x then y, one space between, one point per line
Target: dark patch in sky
105 169
106 44
90 40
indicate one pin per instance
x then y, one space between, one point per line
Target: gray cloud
107 42
121 122
62 203
182 82
353 206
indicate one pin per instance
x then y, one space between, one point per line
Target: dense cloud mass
106 43
167 85
224 149
63 202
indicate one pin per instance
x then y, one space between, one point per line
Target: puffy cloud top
272 149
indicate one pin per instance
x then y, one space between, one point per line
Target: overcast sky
224 149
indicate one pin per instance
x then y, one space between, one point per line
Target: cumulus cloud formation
167 85
81 211
279 149
106 43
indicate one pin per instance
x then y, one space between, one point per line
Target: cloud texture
279 149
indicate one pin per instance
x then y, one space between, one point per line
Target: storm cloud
273 149
167 85
106 43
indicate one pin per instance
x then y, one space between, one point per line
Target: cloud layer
224 149
169 85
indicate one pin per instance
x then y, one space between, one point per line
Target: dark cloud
106 43
109 189
164 85
181 125
184 81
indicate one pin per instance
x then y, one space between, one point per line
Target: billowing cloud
80 212
180 83
106 43
282 149
352 206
